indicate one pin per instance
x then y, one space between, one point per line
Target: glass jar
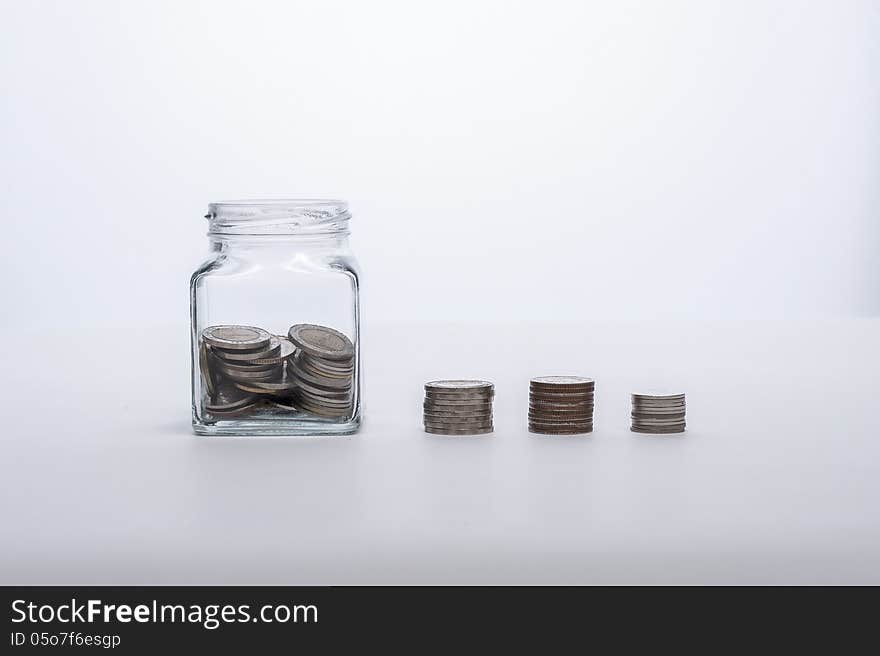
275 321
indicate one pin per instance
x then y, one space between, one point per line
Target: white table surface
777 479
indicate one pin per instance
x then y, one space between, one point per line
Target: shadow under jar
275 321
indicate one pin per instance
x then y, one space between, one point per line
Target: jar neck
311 242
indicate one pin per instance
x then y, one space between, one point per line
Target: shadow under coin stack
458 407
658 413
241 366
322 369
561 405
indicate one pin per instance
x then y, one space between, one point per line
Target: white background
611 189
503 160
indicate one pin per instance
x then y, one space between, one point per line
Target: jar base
292 428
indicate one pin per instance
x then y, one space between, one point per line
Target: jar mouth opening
284 216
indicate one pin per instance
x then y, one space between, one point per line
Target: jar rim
282 216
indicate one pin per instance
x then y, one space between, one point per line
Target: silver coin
560 425
455 430
236 338
324 411
562 380
333 366
443 411
321 341
456 413
540 416
247 355
658 431
204 368
304 402
560 395
307 402
227 367
318 392
561 402
553 431
457 423
339 363
458 402
657 415
658 396
228 399
561 407
658 422
444 421
658 408
267 376
245 409
283 404
323 373
555 407
317 380
284 349
284 384
449 431
649 407
304 364
561 384
459 396
323 384
547 423
458 427
323 398
459 385
560 389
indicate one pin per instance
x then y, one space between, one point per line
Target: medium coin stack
561 405
322 369
658 412
458 407
242 365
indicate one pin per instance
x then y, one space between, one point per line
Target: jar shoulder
224 264
213 262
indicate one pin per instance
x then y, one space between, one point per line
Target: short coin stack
458 407
561 405
658 412
323 370
242 365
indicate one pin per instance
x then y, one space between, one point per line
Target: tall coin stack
323 370
458 407
242 366
561 405
658 412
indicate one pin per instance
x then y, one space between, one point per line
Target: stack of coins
458 407
658 412
242 365
561 405
322 369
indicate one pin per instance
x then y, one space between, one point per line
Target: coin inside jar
321 341
236 337
228 399
249 355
